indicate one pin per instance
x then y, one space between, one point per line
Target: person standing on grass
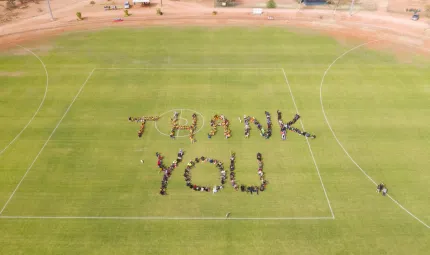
379 187
384 191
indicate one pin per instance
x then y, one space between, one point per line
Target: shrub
79 15
92 3
10 4
427 11
159 12
126 14
271 4
214 13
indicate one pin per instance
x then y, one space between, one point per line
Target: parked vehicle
415 17
127 5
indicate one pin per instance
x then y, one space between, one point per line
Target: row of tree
11 4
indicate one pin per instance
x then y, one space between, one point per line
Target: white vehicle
126 5
143 2
415 17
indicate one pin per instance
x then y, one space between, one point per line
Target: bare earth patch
398 31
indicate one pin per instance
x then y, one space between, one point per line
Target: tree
271 4
427 11
337 3
10 4
79 15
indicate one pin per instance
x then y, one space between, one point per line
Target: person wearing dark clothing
379 187
259 156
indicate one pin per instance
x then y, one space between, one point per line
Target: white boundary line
157 218
337 140
149 217
187 68
40 105
44 145
173 110
186 121
309 145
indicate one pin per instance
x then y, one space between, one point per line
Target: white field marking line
309 145
337 140
188 68
186 121
40 105
173 110
157 218
44 145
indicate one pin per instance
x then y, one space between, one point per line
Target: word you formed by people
221 120
167 171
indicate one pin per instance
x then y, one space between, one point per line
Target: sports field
72 181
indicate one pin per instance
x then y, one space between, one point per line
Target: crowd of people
382 188
289 126
142 120
167 171
220 120
251 189
232 173
192 163
265 133
175 126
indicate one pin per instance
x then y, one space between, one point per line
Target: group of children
382 188
288 126
175 126
167 171
192 163
265 133
220 120
143 121
244 188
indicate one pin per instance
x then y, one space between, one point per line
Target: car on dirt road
127 5
415 17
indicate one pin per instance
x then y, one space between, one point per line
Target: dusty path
398 29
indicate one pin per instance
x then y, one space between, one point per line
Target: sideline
309 145
44 145
156 218
337 140
40 105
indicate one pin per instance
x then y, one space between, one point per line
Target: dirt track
399 30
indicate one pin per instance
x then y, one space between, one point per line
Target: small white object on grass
141 161
227 215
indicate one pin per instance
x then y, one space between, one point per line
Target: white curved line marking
46 142
40 105
186 120
337 140
173 110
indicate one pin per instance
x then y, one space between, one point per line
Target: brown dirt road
399 30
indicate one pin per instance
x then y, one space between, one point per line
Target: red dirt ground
399 30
